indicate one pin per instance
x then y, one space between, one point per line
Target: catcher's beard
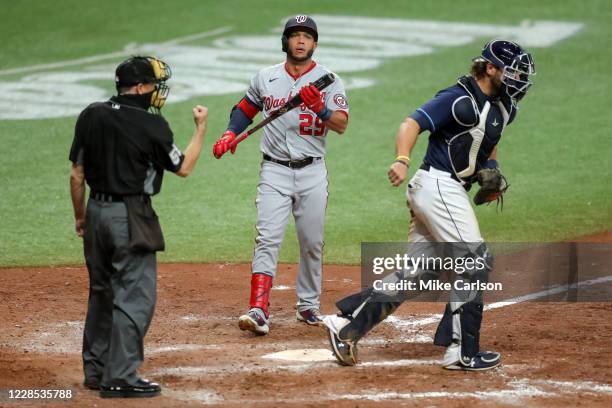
496 84
293 58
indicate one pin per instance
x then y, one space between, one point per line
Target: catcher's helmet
516 63
145 70
299 22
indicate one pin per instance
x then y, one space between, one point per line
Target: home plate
302 355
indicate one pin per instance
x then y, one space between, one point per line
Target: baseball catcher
466 122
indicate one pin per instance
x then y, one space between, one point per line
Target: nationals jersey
298 133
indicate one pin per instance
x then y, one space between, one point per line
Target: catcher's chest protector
465 148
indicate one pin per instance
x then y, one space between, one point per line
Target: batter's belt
292 164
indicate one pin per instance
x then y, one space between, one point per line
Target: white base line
401 323
129 50
515 393
548 292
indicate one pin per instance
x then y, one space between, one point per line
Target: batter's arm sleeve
436 113
242 115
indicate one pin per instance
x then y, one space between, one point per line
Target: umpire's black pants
122 295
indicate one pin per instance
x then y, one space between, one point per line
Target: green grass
556 155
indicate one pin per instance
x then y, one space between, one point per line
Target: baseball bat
321 83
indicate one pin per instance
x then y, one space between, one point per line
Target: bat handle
239 139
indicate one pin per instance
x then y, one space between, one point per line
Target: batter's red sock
261 284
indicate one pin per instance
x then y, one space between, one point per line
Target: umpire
121 148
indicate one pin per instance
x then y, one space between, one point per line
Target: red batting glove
312 98
223 144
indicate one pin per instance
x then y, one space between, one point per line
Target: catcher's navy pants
122 295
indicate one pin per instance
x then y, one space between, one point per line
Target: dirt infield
554 354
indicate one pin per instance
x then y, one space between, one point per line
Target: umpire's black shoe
142 389
92 384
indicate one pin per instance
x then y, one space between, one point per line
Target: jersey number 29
308 128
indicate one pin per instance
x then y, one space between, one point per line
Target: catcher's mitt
493 185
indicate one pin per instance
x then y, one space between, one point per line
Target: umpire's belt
292 164
107 197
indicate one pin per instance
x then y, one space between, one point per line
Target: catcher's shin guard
469 319
351 303
444 332
261 284
365 312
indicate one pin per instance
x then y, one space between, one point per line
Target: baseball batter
293 176
466 122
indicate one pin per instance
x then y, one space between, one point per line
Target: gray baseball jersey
299 133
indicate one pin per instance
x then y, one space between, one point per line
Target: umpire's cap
141 70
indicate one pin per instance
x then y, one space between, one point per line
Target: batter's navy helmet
299 22
516 63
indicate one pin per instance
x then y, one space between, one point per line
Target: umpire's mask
145 70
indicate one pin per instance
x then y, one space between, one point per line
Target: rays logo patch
340 101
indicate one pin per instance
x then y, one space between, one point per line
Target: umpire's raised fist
200 115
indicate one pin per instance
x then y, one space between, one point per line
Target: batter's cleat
482 361
311 317
254 321
345 351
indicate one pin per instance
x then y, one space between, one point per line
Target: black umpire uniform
123 150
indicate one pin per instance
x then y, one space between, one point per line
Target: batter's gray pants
122 295
282 190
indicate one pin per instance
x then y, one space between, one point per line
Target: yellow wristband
403 158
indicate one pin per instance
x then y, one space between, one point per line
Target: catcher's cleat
311 317
483 360
345 351
255 321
